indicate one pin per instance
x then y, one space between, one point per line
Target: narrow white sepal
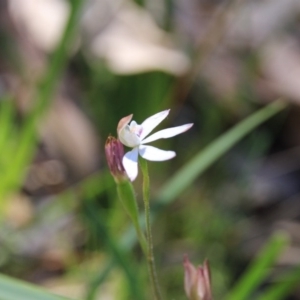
150 123
155 154
130 163
167 133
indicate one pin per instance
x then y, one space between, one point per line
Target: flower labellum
114 151
197 281
135 136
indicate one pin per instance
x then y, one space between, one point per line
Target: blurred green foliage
102 255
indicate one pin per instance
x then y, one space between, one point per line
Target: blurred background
70 70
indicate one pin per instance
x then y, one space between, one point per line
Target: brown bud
114 151
197 282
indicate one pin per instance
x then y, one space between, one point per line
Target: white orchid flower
135 136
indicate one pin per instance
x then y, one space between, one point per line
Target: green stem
127 197
150 256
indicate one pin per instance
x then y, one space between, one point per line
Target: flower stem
150 256
127 197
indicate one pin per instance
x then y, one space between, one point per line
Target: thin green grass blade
283 287
13 289
120 256
259 268
7 134
98 280
6 121
59 59
205 158
45 91
126 243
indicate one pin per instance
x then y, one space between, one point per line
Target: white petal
130 163
150 123
167 133
155 154
128 137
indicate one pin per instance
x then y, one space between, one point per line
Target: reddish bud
114 151
197 282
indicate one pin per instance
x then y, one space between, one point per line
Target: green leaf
206 157
283 286
259 269
13 289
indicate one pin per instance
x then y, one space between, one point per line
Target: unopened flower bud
114 151
197 282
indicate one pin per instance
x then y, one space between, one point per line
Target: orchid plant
124 169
